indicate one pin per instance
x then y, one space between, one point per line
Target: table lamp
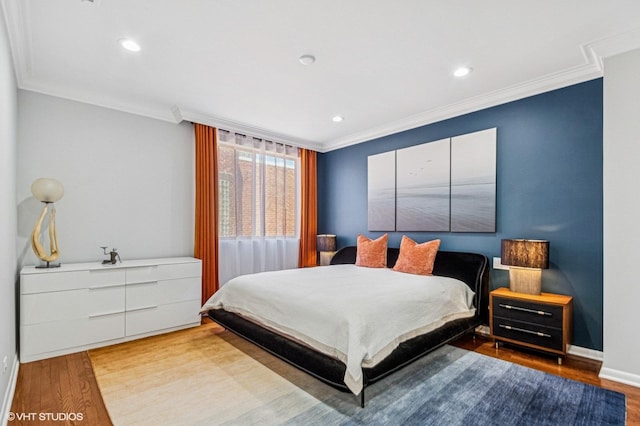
48 191
526 260
326 245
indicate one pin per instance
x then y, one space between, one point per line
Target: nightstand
541 322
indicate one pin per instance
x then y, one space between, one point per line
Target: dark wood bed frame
470 268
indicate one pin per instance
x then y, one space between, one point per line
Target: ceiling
385 66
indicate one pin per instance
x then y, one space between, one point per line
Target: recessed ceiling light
307 59
129 44
338 119
462 71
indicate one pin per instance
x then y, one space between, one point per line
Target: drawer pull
104 287
142 308
536 333
143 283
105 314
531 311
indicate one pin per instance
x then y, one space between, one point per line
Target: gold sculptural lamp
47 191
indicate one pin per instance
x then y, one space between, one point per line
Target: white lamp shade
47 190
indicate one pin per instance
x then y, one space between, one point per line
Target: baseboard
585 353
620 376
11 389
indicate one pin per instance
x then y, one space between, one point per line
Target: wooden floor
67 384
64 384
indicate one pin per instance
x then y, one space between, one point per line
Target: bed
336 366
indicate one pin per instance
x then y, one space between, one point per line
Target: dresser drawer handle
143 308
105 287
531 311
142 283
106 314
536 333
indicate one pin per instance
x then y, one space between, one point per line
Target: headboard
471 268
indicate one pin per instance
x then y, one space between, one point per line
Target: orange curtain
206 226
309 209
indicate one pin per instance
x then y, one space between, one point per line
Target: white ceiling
384 65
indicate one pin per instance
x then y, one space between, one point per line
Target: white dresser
86 305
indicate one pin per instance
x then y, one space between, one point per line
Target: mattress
354 314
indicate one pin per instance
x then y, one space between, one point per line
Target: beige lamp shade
47 190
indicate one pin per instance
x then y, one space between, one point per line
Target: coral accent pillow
416 258
372 253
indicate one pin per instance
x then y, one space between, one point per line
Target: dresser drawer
159 317
72 304
105 278
180 270
534 334
142 274
57 281
38 339
520 310
163 272
156 293
72 280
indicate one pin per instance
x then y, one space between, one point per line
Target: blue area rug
452 386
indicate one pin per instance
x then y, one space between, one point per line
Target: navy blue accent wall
549 186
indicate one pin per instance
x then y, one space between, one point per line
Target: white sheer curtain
240 256
258 205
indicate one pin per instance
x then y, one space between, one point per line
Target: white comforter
355 314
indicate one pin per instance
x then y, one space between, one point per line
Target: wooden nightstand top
556 299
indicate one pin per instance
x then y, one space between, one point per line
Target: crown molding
177 114
16 13
519 91
611 46
593 53
236 126
18 29
155 112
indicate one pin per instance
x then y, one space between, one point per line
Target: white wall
621 216
129 180
8 266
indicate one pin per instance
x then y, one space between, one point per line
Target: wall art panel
423 187
381 178
448 185
473 182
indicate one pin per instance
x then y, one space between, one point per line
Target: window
257 181
226 225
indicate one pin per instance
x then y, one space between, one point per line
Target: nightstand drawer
520 310
549 337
